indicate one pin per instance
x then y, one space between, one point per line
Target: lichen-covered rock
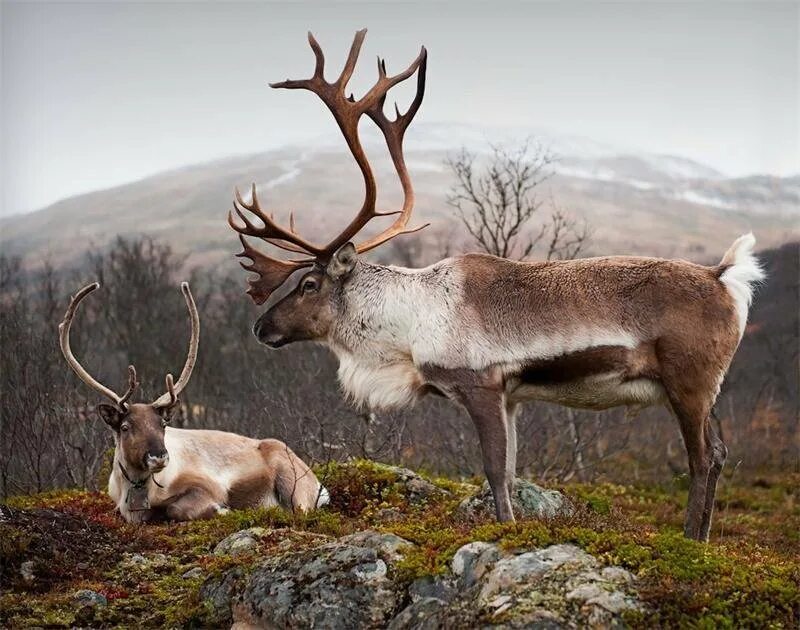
388 546
138 561
472 560
432 586
217 592
527 499
194 572
423 614
244 541
347 583
416 488
560 586
337 585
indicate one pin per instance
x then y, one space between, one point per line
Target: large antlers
347 112
164 400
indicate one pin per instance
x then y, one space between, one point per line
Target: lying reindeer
163 473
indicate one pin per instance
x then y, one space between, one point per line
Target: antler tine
352 58
319 56
191 358
394 132
386 83
172 397
273 233
133 383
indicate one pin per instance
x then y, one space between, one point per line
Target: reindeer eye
125 426
309 285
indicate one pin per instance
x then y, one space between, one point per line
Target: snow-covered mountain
638 203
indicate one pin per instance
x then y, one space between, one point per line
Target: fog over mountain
637 203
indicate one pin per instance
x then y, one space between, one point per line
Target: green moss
747 577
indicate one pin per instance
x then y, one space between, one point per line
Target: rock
527 499
613 602
431 586
85 597
26 571
472 560
195 572
617 575
370 570
388 546
336 585
508 572
138 561
420 615
417 489
243 541
557 555
586 592
218 592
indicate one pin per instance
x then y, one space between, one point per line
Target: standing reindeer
489 333
200 473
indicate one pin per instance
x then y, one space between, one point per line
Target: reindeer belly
597 392
595 378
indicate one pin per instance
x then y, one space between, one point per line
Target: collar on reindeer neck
136 498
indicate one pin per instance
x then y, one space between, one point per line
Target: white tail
742 273
324 497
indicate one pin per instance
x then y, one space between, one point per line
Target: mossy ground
749 576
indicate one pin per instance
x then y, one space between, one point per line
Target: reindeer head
138 427
308 311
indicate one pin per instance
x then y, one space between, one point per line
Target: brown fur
281 473
637 363
615 290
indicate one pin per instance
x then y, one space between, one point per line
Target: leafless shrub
51 437
501 204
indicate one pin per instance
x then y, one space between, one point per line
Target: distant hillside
637 203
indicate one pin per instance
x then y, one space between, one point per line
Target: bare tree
502 206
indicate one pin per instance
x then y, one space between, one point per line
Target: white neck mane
392 321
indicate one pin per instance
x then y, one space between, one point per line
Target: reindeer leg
482 395
692 420
194 503
719 453
511 453
487 410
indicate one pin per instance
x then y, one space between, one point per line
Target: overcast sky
95 95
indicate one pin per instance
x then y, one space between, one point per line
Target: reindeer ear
342 262
110 414
167 412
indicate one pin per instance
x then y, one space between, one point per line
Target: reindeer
489 333
162 473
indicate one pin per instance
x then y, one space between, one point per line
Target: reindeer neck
381 308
